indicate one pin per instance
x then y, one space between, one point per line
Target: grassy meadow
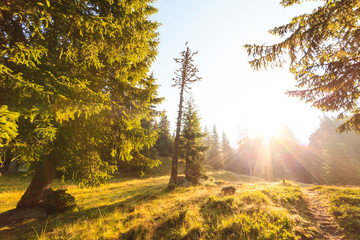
142 208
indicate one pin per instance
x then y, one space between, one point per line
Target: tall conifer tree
185 75
192 145
214 157
75 73
323 51
165 142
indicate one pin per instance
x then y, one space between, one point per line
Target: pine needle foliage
214 157
8 126
76 73
192 144
323 49
165 142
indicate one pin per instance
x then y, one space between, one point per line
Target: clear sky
231 95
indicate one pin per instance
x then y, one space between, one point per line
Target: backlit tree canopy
75 75
323 48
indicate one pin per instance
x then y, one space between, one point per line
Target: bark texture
39 188
175 157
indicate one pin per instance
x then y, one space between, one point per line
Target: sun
267 130
264 128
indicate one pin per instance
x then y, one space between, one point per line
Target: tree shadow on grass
167 225
30 228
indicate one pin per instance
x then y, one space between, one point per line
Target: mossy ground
142 208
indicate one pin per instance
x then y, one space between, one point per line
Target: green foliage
192 147
345 205
323 50
213 156
146 157
184 76
76 74
8 126
165 142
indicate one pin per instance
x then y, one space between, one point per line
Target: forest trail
324 220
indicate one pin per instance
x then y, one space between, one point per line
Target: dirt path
324 220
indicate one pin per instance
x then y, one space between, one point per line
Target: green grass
142 208
345 205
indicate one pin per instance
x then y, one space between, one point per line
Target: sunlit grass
142 208
345 205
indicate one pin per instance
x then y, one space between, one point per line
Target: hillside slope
128 208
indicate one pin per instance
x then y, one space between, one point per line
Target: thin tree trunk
39 187
188 75
175 157
187 163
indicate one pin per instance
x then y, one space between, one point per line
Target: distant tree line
329 158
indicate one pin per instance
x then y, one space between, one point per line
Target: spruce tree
8 127
143 158
214 157
227 152
185 75
165 142
74 78
323 51
192 145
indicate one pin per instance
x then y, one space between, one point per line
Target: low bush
228 190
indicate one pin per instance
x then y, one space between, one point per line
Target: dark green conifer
322 48
165 142
74 74
192 144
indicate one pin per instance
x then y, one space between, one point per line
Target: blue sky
231 95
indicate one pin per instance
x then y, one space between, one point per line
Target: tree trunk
175 157
39 187
188 75
187 163
13 167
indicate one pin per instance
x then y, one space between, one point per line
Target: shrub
228 190
58 202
